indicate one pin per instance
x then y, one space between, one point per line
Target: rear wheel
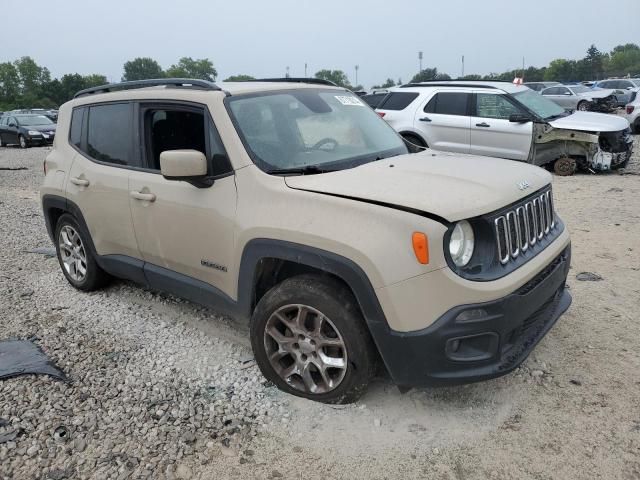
309 339
22 141
76 260
583 106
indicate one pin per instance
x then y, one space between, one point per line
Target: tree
472 77
592 64
32 76
561 70
238 78
187 67
336 76
623 60
9 85
142 68
429 74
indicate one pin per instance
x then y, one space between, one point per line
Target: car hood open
446 185
591 122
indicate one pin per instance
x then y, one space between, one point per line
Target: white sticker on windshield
353 101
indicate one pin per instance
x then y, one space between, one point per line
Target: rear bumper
494 339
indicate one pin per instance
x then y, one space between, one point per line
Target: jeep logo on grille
523 185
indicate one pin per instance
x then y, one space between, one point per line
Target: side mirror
186 165
13 124
519 118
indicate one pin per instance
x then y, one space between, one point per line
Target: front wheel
309 339
583 106
22 142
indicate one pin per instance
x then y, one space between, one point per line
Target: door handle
483 124
147 197
425 119
81 182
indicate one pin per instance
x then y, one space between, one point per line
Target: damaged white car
499 119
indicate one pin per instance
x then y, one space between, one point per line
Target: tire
583 106
74 255
1 144
565 166
22 142
329 315
636 126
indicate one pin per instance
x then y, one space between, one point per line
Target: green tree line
25 84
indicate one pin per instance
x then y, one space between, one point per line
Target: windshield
307 129
543 107
581 89
33 120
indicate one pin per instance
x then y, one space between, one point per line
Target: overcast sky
263 37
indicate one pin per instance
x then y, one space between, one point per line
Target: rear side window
448 103
75 130
398 100
109 133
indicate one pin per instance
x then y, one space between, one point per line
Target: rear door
444 121
99 176
183 229
492 134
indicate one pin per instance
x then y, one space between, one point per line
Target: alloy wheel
72 253
23 142
305 349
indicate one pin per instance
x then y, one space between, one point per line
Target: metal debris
46 251
588 277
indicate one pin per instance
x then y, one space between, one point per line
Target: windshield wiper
558 115
304 170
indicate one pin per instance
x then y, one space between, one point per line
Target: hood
448 185
591 122
597 94
41 128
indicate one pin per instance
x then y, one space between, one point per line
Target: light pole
287 74
420 61
305 69
357 67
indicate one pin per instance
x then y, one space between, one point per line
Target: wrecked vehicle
499 119
291 204
582 98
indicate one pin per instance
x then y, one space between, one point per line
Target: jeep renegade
292 204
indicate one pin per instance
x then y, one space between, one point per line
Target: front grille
524 225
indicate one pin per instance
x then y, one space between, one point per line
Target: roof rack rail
155 82
317 81
454 83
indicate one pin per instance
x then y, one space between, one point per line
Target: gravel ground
162 388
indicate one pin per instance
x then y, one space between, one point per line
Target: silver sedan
579 97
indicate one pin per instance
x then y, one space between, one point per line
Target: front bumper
494 339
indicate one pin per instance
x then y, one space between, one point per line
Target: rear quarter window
75 129
398 100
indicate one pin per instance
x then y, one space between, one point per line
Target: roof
507 87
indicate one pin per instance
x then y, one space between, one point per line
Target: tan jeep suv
292 204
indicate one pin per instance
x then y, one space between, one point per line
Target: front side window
448 103
579 89
109 133
181 128
309 128
494 106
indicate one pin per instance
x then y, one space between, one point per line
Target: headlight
461 243
33 132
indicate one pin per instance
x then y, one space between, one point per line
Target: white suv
499 119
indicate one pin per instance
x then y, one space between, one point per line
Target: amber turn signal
421 247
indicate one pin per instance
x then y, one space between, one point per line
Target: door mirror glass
12 124
519 118
183 165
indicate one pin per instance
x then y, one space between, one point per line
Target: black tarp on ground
23 357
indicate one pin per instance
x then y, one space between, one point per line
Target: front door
180 227
444 121
492 134
562 96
